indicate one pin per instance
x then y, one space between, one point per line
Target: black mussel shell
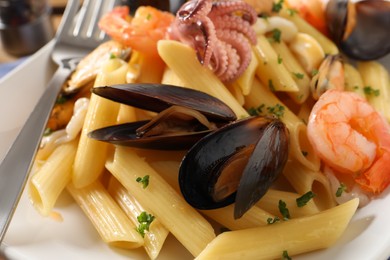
158 97
260 148
369 37
126 135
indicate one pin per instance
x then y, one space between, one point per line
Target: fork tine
71 9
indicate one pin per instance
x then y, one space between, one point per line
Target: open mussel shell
158 97
126 135
361 29
237 163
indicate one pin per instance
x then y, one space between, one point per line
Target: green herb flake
144 180
280 60
273 220
61 99
368 90
305 198
271 85
48 131
276 35
284 210
277 110
299 75
341 189
355 87
314 72
292 11
285 255
112 56
148 17
144 220
276 7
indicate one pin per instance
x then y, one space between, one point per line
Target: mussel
235 164
360 29
185 116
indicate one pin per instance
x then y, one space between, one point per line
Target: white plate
31 236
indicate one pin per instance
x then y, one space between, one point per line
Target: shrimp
141 32
351 137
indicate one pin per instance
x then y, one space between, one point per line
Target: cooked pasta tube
295 236
155 237
353 80
171 78
144 68
327 45
188 66
114 227
270 71
91 154
376 86
245 80
225 216
300 76
303 180
168 206
270 203
262 101
50 180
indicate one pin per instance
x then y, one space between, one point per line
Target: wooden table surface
58 6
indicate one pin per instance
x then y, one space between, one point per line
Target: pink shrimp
350 136
141 32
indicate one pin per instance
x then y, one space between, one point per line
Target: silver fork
77 35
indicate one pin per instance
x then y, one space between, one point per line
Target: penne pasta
107 217
270 71
46 185
353 80
91 154
155 237
294 236
245 80
188 66
170 208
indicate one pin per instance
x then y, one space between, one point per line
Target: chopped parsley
285 255
48 131
271 85
276 35
144 180
273 220
368 90
341 189
298 75
144 220
61 99
305 198
276 7
314 72
292 12
284 210
280 60
149 16
277 110
112 56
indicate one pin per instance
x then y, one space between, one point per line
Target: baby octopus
220 32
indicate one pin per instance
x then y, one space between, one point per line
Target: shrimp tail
377 177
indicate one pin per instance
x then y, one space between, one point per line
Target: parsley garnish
256 111
305 198
314 72
299 75
48 131
144 219
280 60
277 110
149 16
284 210
292 12
61 99
276 35
368 90
276 7
341 189
285 255
271 85
273 220
112 56
144 180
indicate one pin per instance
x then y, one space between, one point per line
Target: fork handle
16 165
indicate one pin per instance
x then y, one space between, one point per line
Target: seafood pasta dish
246 129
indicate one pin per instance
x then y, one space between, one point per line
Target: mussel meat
360 29
185 115
236 163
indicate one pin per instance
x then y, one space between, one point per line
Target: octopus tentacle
231 6
237 24
193 10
